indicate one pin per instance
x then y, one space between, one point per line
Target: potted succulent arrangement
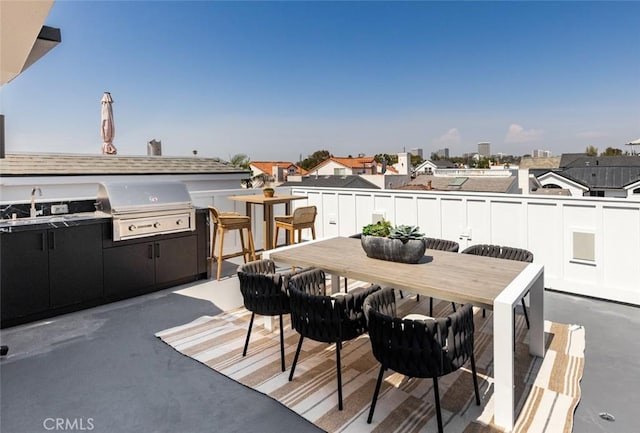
403 243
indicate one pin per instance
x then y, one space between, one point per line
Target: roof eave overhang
559 177
24 38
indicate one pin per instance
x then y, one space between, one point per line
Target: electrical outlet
57 209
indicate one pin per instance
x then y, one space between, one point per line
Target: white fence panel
588 246
558 230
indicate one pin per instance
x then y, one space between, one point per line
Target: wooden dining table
267 203
485 282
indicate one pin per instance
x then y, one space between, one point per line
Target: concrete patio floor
103 369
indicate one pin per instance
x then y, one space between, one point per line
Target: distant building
538 153
404 165
593 176
416 151
345 166
431 167
466 182
443 153
330 181
484 149
276 171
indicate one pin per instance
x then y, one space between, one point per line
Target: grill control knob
132 228
156 225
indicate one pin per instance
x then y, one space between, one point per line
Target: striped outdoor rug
547 391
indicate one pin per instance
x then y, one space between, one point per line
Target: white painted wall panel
347 221
329 207
544 237
429 218
385 203
621 266
454 220
406 211
479 220
364 210
582 219
504 214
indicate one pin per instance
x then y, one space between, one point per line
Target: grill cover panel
126 197
142 209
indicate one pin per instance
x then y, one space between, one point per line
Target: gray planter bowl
393 250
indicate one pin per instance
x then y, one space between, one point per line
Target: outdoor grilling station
138 238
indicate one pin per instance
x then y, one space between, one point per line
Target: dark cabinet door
128 269
176 259
75 264
24 281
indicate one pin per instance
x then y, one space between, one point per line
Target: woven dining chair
502 252
264 292
441 245
418 348
323 318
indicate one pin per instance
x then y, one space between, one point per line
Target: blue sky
277 80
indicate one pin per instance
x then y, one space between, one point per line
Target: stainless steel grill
141 209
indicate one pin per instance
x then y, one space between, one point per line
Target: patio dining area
106 367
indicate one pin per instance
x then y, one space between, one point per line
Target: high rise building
443 153
484 149
416 151
538 153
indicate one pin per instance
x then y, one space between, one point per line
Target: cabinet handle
150 251
157 249
52 240
42 241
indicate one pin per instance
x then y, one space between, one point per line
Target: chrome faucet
33 212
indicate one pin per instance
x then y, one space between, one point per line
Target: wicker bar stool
302 218
223 222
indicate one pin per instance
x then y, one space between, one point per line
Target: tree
314 159
416 160
391 159
241 160
484 163
611 151
591 151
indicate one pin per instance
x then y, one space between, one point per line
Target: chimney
277 173
154 148
429 188
404 163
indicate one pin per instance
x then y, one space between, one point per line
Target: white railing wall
588 246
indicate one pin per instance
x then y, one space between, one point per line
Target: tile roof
472 183
29 164
267 166
357 162
347 181
600 177
534 163
602 161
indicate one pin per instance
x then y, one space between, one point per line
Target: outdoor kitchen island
55 265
